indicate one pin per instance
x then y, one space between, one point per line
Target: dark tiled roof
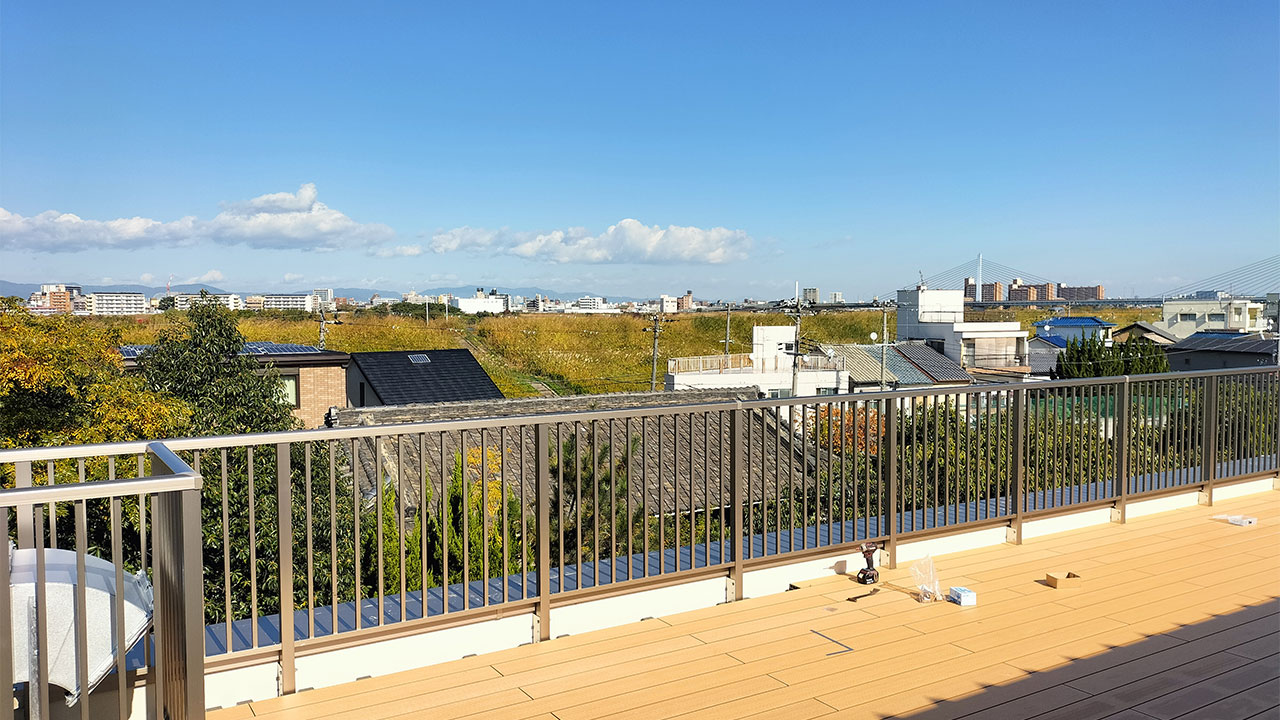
447 376
936 365
1221 342
1148 329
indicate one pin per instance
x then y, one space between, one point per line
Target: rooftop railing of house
402 529
744 362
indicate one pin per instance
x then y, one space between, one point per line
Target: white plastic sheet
926 579
60 615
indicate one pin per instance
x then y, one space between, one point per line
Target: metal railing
168 657
400 529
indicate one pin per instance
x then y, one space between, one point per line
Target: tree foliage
1091 357
63 383
198 361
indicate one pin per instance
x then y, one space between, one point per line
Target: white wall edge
1245 488
1064 523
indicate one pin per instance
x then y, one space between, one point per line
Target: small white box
963 596
1242 520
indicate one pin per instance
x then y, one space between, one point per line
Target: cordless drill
869 575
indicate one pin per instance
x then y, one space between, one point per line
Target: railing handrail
75 492
69 452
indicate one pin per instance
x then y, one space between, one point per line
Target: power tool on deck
869 575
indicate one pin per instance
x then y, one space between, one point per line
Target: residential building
1183 318
666 304
537 304
1144 330
1079 293
306 303
473 305
324 299
55 298
254 302
184 301
420 376
768 368
1043 352
312 380
1218 350
937 317
684 303
117 303
837 297
414 298
1076 328
810 295
1272 311
991 292
1020 291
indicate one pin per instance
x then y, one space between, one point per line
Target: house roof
936 365
1228 342
281 354
402 377
1148 329
906 364
1088 321
1055 340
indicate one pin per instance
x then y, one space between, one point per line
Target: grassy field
576 353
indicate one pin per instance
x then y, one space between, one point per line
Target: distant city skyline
731 149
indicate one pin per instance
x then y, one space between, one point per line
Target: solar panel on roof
419 359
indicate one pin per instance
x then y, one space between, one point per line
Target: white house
768 368
1184 318
937 316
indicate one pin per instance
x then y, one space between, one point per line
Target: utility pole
798 313
728 307
657 319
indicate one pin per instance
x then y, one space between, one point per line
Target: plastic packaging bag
926 579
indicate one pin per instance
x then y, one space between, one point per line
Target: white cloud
146 278
276 220
212 276
629 241
292 277
399 251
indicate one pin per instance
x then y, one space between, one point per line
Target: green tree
198 361
168 302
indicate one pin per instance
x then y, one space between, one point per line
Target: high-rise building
810 295
685 302
837 297
1081 292
230 300
667 304
324 298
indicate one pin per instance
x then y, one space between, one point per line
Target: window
827 391
1186 317
1217 317
289 390
777 394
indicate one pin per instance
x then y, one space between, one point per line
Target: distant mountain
22 290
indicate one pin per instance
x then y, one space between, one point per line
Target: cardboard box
963 596
1063 580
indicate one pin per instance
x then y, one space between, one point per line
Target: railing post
542 465
284 539
1121 492
1209 440
891 465
737 466
179 603
26 528
1014 534
6 621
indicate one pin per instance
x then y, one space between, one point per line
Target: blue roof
1089 321
256 347
1054 340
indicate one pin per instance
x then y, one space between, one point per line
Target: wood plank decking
1177 618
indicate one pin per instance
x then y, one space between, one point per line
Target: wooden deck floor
1177 618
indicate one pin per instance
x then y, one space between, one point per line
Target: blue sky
636 149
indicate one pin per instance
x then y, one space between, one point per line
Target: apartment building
117 303
229 300
1081 292
810 295
306 303
684 303
1184 317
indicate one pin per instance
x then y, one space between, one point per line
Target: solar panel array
1225 343
256 347
419 359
